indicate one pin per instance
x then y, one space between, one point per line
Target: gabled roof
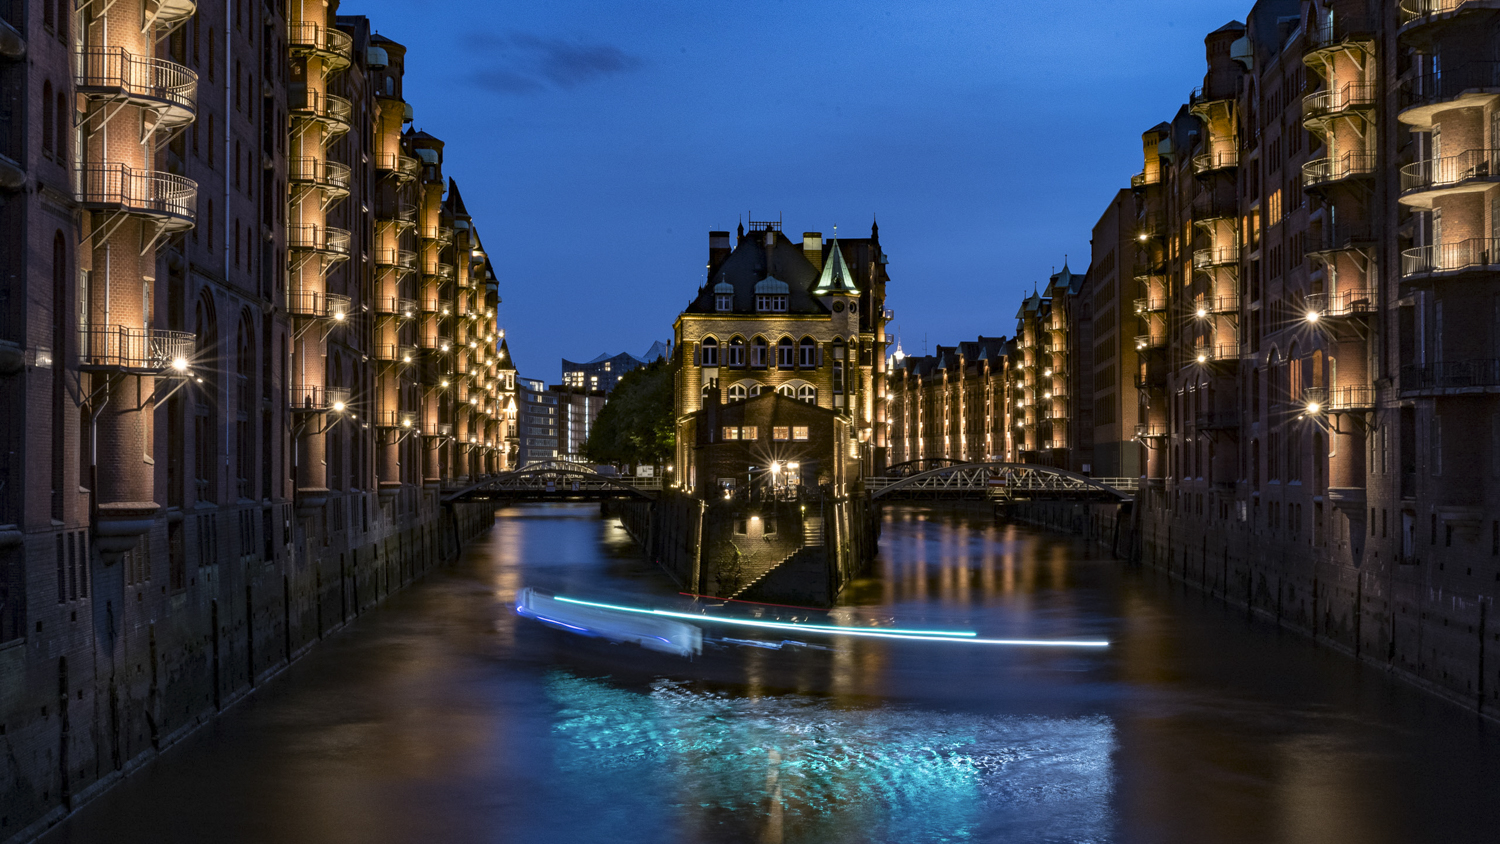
455 201
505 359
753 262
836 277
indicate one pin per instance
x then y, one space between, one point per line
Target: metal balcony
1208 306
400 165
440 234
114 73
1150 432
1471 171
1144 342
1326 171
1465 85
1320 107
1213 162
1215 256
1212 206
434 304
401 259
1216 353
325 241
309 38
334 113
166 13
137 351
1350 399
318 399
1453 377
435 342
394 353
1150 306
315 304
405 420
438 269
396 307
1341 304
1335 239
331 177
1479 254
1337 31
169 200
1217 420
1419 13
1143 180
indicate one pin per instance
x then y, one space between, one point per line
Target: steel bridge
555 481
995 481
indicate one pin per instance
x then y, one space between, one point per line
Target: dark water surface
443 717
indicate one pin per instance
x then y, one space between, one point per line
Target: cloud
518 63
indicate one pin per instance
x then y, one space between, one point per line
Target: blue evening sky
597 143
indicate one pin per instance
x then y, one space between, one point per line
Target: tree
635 426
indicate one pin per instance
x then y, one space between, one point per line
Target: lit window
749 432
770 303
710 354
787 390
731 433
781 432
799 432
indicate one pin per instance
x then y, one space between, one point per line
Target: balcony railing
170 199
1449 84
1148 341
436 342
1324 170
1478 253
165 86
1150 432
1317 400
331 110
1336 29
1210 162
439 270
1215 256
394 353
1342 303
396 307
315 304
1451 375
335 47
1215 205
1435 174
402 259
331 176
1150 306
1338 100
1411 10
439 233
1216 353
403 419
327 241
318 399
434 304
144 351
398 164
1340 238
1144 179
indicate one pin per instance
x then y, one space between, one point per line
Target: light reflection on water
801 769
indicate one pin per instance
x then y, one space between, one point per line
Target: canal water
445 717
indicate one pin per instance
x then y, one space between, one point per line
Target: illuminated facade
955 404
803 320
249 332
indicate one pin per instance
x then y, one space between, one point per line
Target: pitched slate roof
836 277
752 262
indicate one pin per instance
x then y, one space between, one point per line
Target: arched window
755 390
838 376
807 393
787 390
736 392
64 119
60 402
807 353
736 352
47 122
706 388
710 353
785 353
205 427
758 348
838 348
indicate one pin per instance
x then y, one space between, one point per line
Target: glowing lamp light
406 358
445 382
180 364
1313 407
338 407
1143 237
1202 312
1202 358
406 423
338 316
776 468
793 466
1313 316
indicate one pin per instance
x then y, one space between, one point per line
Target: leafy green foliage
636 425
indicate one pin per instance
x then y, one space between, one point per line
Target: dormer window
771 304
723 302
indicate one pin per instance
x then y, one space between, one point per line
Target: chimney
718 251
812 247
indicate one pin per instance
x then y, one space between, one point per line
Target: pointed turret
836 277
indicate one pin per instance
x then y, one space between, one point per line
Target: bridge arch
556 479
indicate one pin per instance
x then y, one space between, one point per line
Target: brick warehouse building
1294 310
247 335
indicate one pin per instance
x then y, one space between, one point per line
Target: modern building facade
248 332
605 371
